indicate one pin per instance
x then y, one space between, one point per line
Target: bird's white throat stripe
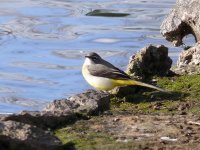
87 61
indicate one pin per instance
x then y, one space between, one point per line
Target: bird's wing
107 70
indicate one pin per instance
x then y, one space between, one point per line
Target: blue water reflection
42 44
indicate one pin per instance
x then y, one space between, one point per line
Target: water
42 44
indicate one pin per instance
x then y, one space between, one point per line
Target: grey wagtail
102 75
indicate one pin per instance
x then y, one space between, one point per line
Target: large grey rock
150 61
19 136
184 19
90 102
43 119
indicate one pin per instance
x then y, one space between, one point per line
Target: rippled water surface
42 44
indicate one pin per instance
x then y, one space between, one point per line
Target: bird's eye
94 58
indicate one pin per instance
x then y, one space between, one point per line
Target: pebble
166 138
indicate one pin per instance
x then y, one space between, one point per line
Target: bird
104 76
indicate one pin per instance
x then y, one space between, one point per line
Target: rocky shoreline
145 120
33 129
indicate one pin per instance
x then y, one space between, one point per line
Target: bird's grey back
107 70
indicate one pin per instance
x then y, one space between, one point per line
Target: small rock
183 106
157 106
189 61
150 61
116 119
165 138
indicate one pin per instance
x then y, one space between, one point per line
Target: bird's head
93 58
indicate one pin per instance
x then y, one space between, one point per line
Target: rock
184 19
43 119
65 111
62 106
91 102
189 61
20 136
168 139
150 61
106 13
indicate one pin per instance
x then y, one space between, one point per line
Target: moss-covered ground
139 114
183 95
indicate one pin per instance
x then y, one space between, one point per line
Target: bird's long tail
147 85
133 82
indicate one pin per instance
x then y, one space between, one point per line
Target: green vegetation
184 95
82 137
184 98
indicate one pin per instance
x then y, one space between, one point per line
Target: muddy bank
124 131
144 120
